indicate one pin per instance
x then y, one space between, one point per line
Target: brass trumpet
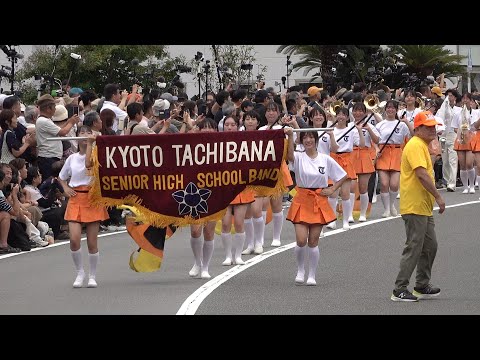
335 105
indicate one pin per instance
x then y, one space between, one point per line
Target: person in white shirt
116 101
76 184
310 211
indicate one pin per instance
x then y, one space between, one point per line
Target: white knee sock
386 201
77 260
363 204
347 209
264 214
352 201
258 230
227 244
313 256
197 247
238 241
248 224
393 196
471 177
478 180
277 219
464 177
93 261
333 204
300 256
208 247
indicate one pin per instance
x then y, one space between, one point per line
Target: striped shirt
4 206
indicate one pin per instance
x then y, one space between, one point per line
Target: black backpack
18 237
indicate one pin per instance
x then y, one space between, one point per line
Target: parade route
356 273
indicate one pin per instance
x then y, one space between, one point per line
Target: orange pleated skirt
362 160
247 196
390 159
464 147
309 207
80 209
475 142
345 161
287 178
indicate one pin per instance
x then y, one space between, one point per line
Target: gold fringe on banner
160 220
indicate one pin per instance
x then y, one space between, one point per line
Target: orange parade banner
181 179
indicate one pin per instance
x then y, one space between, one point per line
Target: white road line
56 244
192 303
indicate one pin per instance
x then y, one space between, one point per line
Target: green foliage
422 60
102 64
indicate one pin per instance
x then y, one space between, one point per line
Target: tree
229 62
100 65
420 61
338 65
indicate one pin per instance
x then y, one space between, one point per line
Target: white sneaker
205 274
78 283
239 261
346 227
258 249
121 227
393 211
311 282
472 190
300 278
465 191
247 251
276 243
92 283
398 196
386 213
227 262
332 225
362 218
40 242
195 271
351 220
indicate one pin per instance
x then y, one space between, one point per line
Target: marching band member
203 248
463 127
237 209
392 135
362 159
309 211
254 222
76 185
345 137
272 115
448 112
